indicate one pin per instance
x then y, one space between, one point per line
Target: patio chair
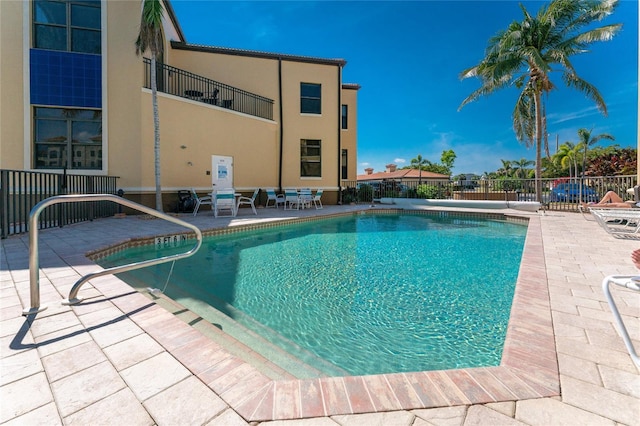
206 200
632 283
305 197
277 199
224 200
248 201
291 198
316 199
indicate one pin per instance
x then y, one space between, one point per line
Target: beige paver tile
19 366
22 396
606 403
621 381
319 421
480 415
47 415
13 326
120 408
198 404
49 324
228 418
62 339
132 351
548 411
579 369
395 418
72 360
13 344
447 416
154 375
86 387
507 408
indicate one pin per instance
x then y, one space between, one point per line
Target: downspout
281 124
339 134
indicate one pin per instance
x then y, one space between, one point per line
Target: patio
118 358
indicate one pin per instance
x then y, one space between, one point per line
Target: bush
431 191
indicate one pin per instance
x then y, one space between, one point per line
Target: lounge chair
248 201
617 221
278 199
306 198
224 200
632 283
206 200
291 198
316 199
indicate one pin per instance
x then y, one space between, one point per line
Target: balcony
178 82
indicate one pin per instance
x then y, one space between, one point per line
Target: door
222 172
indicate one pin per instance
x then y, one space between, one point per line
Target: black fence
557 194
21 190
178 82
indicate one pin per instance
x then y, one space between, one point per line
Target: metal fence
557 194
178 82
21 190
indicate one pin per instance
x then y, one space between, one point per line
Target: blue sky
407 56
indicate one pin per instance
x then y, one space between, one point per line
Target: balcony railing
557 194
178 82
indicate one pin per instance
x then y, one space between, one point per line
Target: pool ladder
34 266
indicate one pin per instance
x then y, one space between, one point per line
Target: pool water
358 295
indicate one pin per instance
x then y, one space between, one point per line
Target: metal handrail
34 277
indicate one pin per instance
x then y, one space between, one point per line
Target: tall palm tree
567 157
150 37
506 168
419 162
520 167
587 140
526 53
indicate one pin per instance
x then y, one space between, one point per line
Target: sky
407 57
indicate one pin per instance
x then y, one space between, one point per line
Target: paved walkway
120 358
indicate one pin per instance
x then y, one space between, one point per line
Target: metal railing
20 190
34 264
557 193
178 82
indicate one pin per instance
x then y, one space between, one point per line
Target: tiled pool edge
529 366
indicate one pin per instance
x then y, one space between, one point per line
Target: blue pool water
367 294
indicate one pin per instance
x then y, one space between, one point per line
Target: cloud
365 164
399 160
561 118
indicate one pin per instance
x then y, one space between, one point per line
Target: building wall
11 85
350 134
190 132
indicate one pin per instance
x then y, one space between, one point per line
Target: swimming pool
358 295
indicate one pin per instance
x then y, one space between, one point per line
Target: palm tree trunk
537 102
156 131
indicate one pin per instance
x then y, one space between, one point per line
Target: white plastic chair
224 200
305 197
291 198
246 201
316 199
206 200
277 199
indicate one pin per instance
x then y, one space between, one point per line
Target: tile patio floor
119 358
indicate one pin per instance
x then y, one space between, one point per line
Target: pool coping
529 366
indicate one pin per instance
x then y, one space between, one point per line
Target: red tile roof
402 174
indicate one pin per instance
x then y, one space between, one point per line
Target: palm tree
150 37
419 162
567 156
586 140
506 168
520 167
525 54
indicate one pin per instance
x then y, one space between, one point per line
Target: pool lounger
618 221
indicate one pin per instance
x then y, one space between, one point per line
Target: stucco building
74 95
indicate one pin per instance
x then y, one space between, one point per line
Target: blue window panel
66 78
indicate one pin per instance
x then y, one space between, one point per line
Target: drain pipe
281 124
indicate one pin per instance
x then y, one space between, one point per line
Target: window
68 25
310 165
344 164
61 133
345 110
310 98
